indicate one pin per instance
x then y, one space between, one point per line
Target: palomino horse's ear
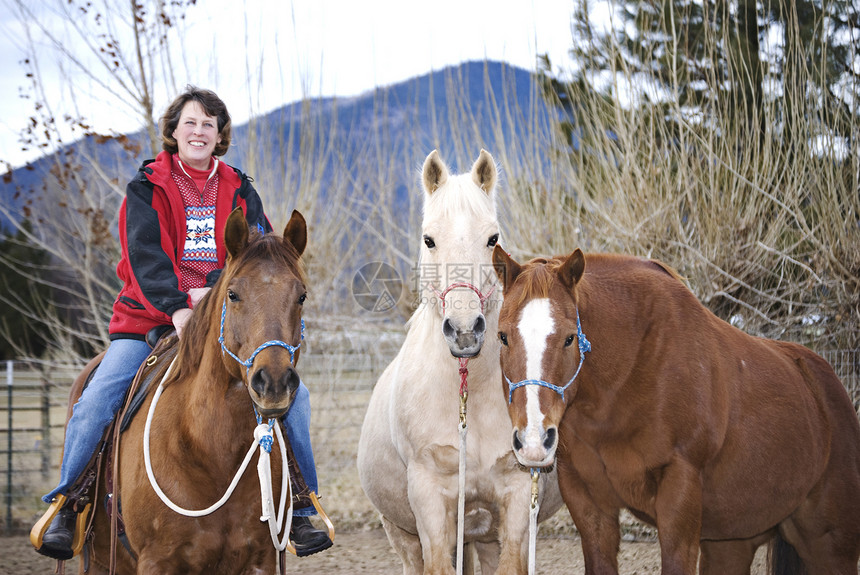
571 270
236 233
434 173
296 232
484 172
506 268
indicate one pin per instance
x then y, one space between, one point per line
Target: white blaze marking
536 325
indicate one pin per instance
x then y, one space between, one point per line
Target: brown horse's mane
207 315
535 279
538 275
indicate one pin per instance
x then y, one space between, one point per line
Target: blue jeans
103 397
297 422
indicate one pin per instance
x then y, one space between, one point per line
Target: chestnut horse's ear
434 173
506 268
296 232
235 233
484 172
571 270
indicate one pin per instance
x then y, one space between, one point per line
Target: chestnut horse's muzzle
272 390
536 452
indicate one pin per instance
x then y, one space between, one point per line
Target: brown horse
647 401
204 422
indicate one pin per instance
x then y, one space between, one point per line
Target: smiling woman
197 134
172 235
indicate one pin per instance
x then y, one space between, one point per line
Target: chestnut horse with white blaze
647 401
409 449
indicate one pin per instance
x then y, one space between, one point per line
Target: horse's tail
783 559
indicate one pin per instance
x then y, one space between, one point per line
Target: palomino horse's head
259 301
460 229
543 348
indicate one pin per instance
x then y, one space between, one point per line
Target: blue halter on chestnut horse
722 440
186 504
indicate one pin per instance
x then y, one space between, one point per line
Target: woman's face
196 136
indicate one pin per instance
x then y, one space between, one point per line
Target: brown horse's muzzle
272 389
535 449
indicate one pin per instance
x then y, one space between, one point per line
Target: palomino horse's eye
302 298
494 239
232 295
503 337
569 340
428 241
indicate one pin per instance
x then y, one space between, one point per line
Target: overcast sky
307 48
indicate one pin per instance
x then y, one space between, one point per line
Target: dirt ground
368 552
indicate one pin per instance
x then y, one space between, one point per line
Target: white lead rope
461 499
276 522
264 471
534 509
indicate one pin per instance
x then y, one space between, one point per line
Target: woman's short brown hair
211 104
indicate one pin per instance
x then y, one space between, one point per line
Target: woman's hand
180 318
196 294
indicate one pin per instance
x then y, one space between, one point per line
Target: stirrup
41 526
329 525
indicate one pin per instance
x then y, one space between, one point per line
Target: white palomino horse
408 452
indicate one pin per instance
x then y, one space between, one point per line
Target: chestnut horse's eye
428 241
232 295
569 340
494 239
302 298
503 337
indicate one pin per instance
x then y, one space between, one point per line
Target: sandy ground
368 552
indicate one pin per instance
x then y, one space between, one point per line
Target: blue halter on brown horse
647 401
186 504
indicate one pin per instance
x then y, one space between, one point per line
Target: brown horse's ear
236 233
484 172
296 232
571 270
434 173
506 268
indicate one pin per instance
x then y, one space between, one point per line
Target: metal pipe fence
36 399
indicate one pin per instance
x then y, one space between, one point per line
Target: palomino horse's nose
535 453
465 342
274 386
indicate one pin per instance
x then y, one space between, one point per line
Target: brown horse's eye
232 295
302 298
503 337
569 340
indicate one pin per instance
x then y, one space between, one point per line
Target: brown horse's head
542 348
256 311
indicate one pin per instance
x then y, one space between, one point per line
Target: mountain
458 110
